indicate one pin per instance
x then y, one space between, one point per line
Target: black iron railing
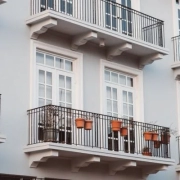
176 48
108 14
59 125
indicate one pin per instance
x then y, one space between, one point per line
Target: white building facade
90 89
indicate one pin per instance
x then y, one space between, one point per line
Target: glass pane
108 90
68 66
69 7
115 115
129 3
130 82
41 90
179 13
107 75
41 102
69 105
49 92
61 81
59 63
130 110
68 82
122 79
39 58
124 96
49 60
68 96
49 78
62 104
109 114
48 102
130 97
115 106
41 76
114 94
62 6
125 110
109 105
62 95
114 77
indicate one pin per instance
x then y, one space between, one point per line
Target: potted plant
146 151
157 144
88 124
80 122
148 135
155 136
51 124
124 131
116 125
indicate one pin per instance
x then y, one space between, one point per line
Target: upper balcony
176 64
103 22
86 137
2 137
178 143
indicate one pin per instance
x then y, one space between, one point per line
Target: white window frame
77 59
137 84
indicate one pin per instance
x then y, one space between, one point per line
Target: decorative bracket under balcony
83 162
120 166
3 1
2 138
42 27
82 39
117 50
176 70
149 59
153 170
37 157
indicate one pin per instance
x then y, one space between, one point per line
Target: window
66 6
119 94
54 80
47 4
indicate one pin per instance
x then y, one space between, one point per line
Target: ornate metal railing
108 14
75 127
176 48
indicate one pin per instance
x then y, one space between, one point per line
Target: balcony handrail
176 47
109 15
131 9
58 124
99 114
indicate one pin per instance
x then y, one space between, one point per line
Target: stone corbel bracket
42 27
117 50
120 166
176 71
82 39
37 157
153 170
149 59
78 163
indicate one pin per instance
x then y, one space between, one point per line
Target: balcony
2 137
176 64
102 22
55 131
178 143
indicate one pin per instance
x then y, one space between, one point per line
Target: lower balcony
86 137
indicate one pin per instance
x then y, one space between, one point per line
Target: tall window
119 94
54 80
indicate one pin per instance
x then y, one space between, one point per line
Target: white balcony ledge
2 138
78 28
82 156
176 70
3 1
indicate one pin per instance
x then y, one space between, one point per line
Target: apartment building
90 89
